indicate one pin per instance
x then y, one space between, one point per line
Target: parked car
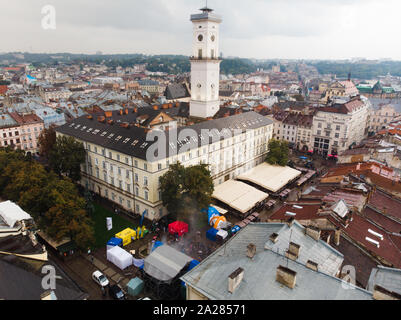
100 279
116 293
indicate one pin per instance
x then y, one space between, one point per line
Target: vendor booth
178 227
119 257
135 286
114 242
126 236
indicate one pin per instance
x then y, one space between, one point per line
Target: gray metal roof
388 278
210 277
328 259
100 132
20 284
165 263
7 121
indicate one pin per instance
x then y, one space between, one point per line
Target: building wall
10 136
381 118
133 183
193 294
337 131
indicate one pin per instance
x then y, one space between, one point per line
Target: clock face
199 85
200 37
213 38
212 85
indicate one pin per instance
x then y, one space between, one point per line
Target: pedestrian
92 259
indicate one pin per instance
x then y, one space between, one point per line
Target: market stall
119 257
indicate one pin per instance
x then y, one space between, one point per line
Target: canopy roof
11 213
272 178
165 263
238 195
178 227
119 257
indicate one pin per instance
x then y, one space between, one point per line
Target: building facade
118 166
379 119
340 126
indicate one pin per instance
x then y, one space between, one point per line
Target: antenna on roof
289 246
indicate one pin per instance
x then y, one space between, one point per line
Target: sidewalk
110 273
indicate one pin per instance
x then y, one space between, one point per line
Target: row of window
319 125
127 203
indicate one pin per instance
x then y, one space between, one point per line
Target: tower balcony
193 58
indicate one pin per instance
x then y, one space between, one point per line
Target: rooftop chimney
293 251
234 279
251 250
337 236
312 265
313 232
380 293
274 237
286 276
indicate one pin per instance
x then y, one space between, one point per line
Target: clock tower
205 64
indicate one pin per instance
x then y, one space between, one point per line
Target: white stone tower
205 64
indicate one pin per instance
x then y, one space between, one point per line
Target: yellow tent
126 236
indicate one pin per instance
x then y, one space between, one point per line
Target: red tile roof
386 222
386 203
3 89
307 212
357 230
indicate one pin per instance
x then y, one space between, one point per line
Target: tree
278 152
66 157
53 202
186 190
47 139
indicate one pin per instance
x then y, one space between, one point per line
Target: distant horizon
184 55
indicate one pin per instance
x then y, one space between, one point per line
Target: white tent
238 195
11 213
119 257
272 178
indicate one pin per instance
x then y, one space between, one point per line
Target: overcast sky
266 29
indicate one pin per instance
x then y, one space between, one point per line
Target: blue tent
211 234
115 242
157 244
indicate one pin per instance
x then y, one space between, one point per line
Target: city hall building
130 149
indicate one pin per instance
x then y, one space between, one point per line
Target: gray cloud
252 28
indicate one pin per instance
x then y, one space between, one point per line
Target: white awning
11 213
238 195
272 178
220 210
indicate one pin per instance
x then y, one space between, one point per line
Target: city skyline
336 29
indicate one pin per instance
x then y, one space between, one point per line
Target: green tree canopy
52 201
66 157
47 140
278 152
186 190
